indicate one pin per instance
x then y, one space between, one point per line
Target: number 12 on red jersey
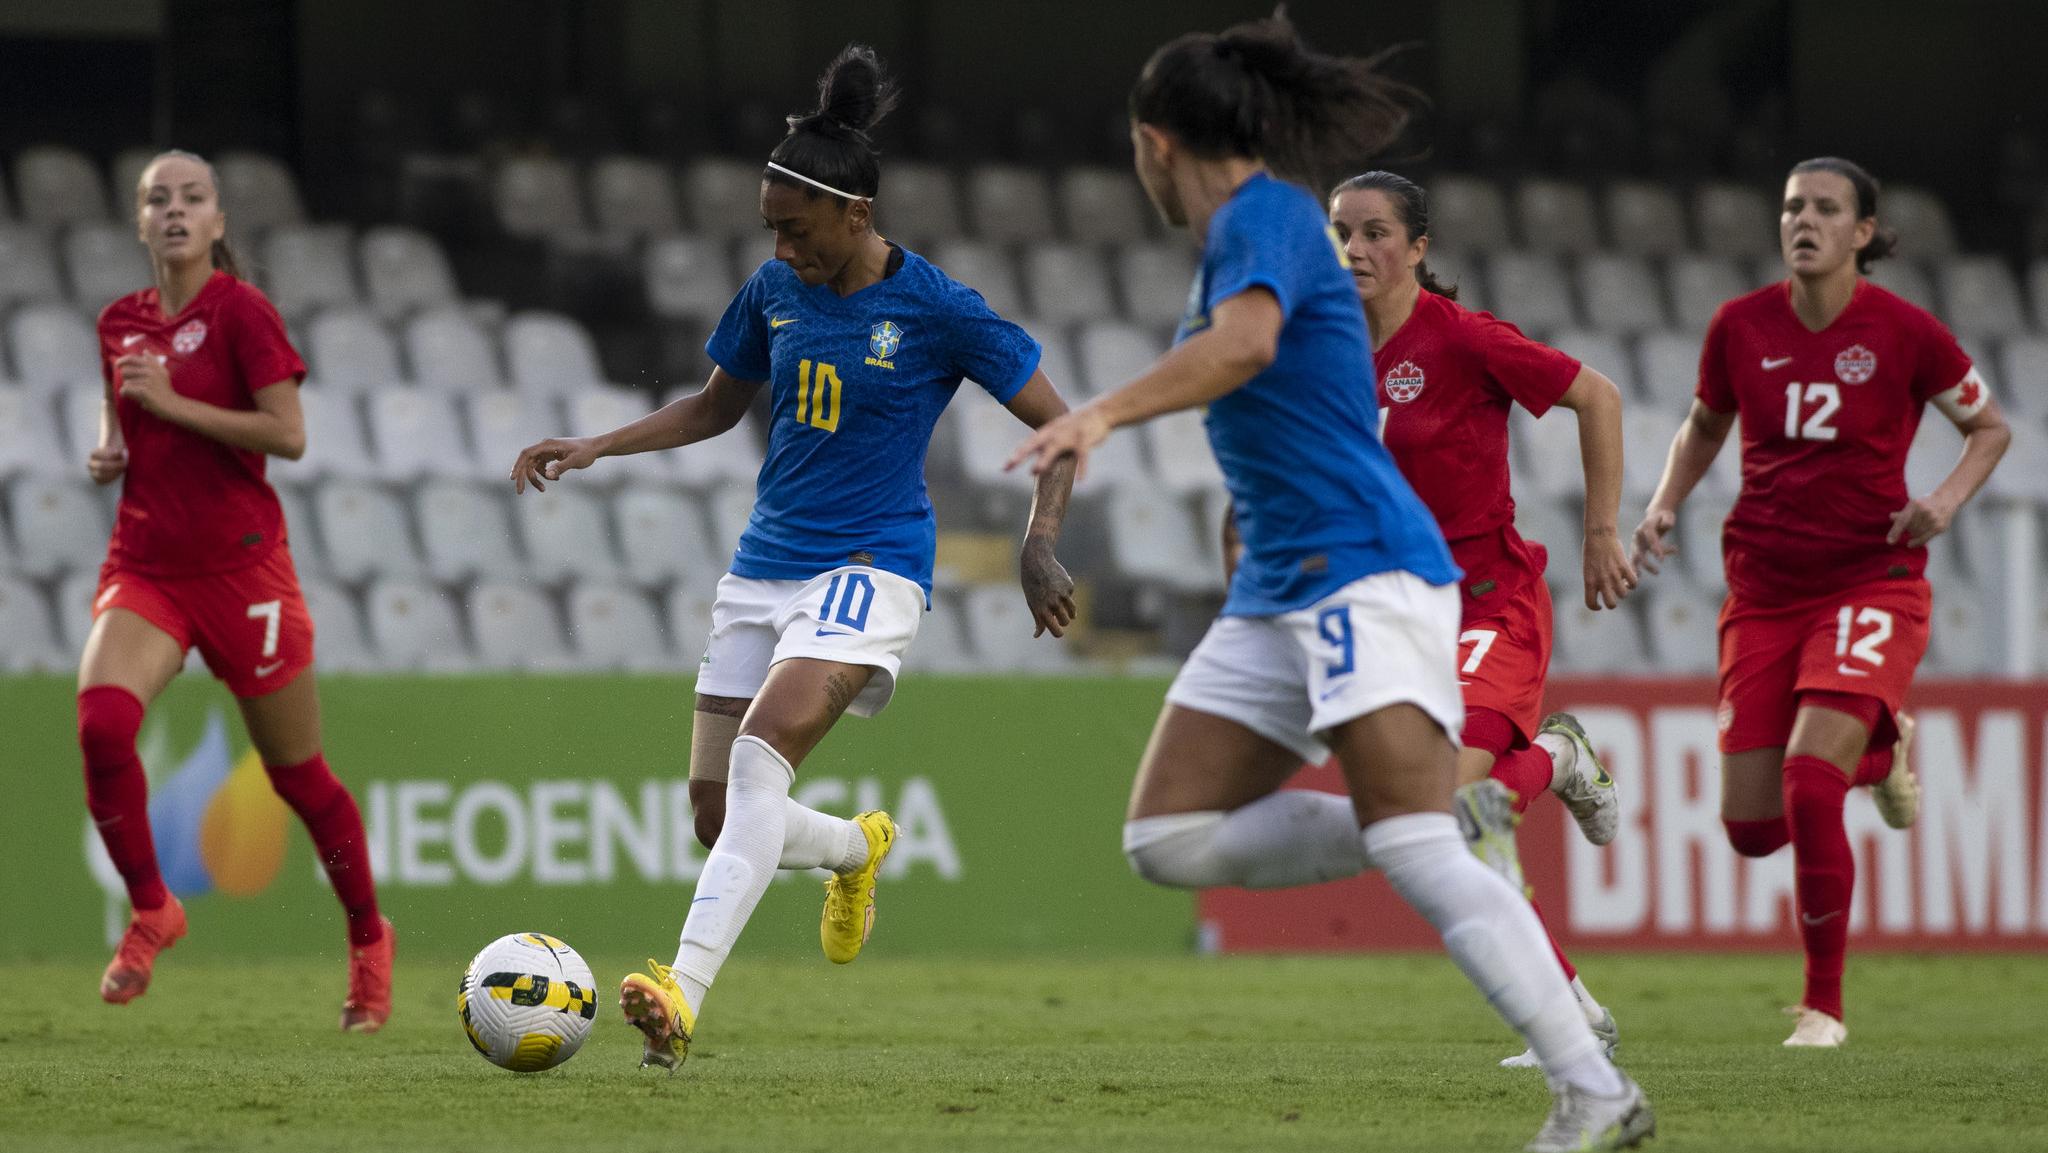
1825 396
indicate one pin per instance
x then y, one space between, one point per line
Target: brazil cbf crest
884 339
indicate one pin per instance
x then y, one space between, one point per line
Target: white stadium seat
1735 220
1010 204
1156 279
1908 279
1154 539
75 594
987 269
536 198
59 524
419 433
550 354
28 432
1457 270
632 197
1670 372
364 530
1921 220
53 344
1000 625
308 555
1102 205
258 192
1589 642
1056 360
105 262
1622 294
340 642
466 531
988 434
416 626
81 406
689 621
1983 297
1556 216
59 187
732 457
405 271
1550 451
335 445
919 204
1646 442
2022 381
1068 283
1468 214
598 410
1601 352
1700 284
724 196
1645 219
689 278
502 424
1961 639
307 267
1532 291
352 351
1683 626
25 622
614 627
941 644
1181 455
566 536
1112 354
664 541
448 349
1699 541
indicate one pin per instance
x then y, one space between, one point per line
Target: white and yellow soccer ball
527 1002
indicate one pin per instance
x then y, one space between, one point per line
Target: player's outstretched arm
1986 436
1597 402
1693 450
716 408
1242 338
276 426
1047 587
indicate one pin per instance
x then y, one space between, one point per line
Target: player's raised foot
1581 781
1486 815
1816 1030
1898 795
1605 1029
150 931
1581 1120
369 983
655 1005
849 915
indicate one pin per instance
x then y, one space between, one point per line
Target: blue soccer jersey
1319 502
857 384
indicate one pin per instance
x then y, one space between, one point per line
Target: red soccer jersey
1827 418
189 504
1447 378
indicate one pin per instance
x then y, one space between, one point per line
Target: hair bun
853 95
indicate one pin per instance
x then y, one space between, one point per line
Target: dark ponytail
1412 204
830 144
1883 241
1257 91
223 255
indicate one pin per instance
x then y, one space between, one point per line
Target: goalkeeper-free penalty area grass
1184 1054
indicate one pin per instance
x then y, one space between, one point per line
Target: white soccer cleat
1605 1029
1581 781
1898 795
1486 815
1580 1120
1816 1030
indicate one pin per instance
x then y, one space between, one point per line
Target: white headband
795 175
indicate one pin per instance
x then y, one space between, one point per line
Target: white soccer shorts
854 615
1387 639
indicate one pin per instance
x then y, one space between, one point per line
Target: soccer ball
527 1002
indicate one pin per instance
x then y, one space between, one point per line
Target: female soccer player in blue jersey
1340 630
862 345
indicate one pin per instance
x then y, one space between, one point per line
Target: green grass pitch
1235 1053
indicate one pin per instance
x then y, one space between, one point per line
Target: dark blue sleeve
740 343
988 350
1254 246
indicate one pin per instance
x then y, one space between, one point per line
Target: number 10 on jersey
817 396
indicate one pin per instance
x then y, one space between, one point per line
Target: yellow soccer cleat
655 1006
850 897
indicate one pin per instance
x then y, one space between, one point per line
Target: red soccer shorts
1866 641
1504 655
250 624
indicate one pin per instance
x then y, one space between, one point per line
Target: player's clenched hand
1047 588
146 383
106 464
1923 519
1609 576
552 457
1073 434
1650 546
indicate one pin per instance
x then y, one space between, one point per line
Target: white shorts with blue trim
1387 639
854 615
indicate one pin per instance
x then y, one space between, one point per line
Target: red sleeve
1534 375
1715 391
262 350
1942 363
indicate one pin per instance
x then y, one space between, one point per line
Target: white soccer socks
739 867
815 840
1292 837
1495 939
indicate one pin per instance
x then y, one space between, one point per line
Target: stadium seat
307 554
601 409
987 269
999 626
988 434
28 430
1112 354
416 626
1735 220
405 271
105 263
501 424
632 197
1068 284
1683 626
1699 284
1181 455
58 187
125 175
73 618
1936 446
1010 204
1622 294
732 457
1056 360
364 531
419 433
537 199
258 192
60 525
1156 278
689 278
566 536
1468 214
80 407
664 540
1549 449
1556 216
1601 352
2022 380
919 205
352 351
1593 643
25 621
340 643
614 627
1699 539
550 354
1646 442
1961 639
1154 539
54 345
724 197
1909 280
1531 290
689 621
1921 220
448 349
1983 297
335 445
28 266
466 531
1102 205
1645 219
1458 270
306 267
1670 371
941 644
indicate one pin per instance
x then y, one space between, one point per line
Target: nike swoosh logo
265 670
837 633
700 900
1773 363
780 323
1846 671
1823 919
131 338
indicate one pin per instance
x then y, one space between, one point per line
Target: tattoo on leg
839 692
723 706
